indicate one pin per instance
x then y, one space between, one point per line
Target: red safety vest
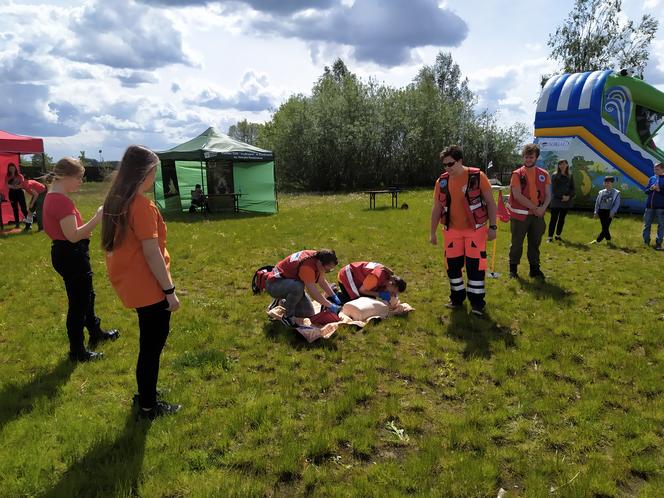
352 276
514 207
476 211
290 266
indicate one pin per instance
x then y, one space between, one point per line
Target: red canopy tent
11 148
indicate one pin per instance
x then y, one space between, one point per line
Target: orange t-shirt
307 271
457 187
128 270
531 180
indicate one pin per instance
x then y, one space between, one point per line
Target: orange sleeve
435 190
143 220
370 282
307 274
548 179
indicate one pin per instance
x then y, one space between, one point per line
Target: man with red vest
369 279
530 195
463 204
297 272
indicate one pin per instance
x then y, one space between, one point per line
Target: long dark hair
134 168
558 171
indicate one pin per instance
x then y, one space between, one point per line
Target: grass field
557 392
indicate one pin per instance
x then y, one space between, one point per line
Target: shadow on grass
544 289
187 217
110 468
278 332
20 399
574 245
479 333
382 208
625 249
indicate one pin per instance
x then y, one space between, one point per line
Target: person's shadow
20 399
479 333
542 289
574 245
111 468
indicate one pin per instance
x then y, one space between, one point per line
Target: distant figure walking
606 207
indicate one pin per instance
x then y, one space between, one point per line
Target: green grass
560 387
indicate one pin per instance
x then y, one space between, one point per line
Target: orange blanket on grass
314 332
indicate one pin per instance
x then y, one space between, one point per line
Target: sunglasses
449 165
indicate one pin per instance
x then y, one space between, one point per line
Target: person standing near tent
14 179
297 272
37 193
562 193
530 195
463 203
138 264
71 258
654 207
369 279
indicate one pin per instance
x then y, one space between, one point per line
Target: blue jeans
650 216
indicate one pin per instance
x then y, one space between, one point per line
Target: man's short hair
453 151
531 149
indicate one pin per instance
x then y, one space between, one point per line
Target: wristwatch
493 227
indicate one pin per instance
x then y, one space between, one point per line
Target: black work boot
103 335
535 272
513 272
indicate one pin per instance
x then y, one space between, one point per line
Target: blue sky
107 73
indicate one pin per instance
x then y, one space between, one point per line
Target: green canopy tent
221 165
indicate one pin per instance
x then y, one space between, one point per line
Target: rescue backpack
260 278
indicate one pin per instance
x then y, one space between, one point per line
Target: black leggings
17 198
605 219
72 262
557 218
153 323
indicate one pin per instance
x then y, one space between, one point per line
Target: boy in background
606 207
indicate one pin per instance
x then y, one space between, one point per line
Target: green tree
245 131
594 37
42 162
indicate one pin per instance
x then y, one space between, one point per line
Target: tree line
352 134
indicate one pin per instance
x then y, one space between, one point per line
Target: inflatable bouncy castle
602 123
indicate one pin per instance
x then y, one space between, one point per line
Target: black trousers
605 219
72 262
153 323
557 221
17 198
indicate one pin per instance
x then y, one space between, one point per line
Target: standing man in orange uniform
530 195
463 204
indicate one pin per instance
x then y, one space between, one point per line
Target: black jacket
561 185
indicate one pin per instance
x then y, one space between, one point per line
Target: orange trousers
466 247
